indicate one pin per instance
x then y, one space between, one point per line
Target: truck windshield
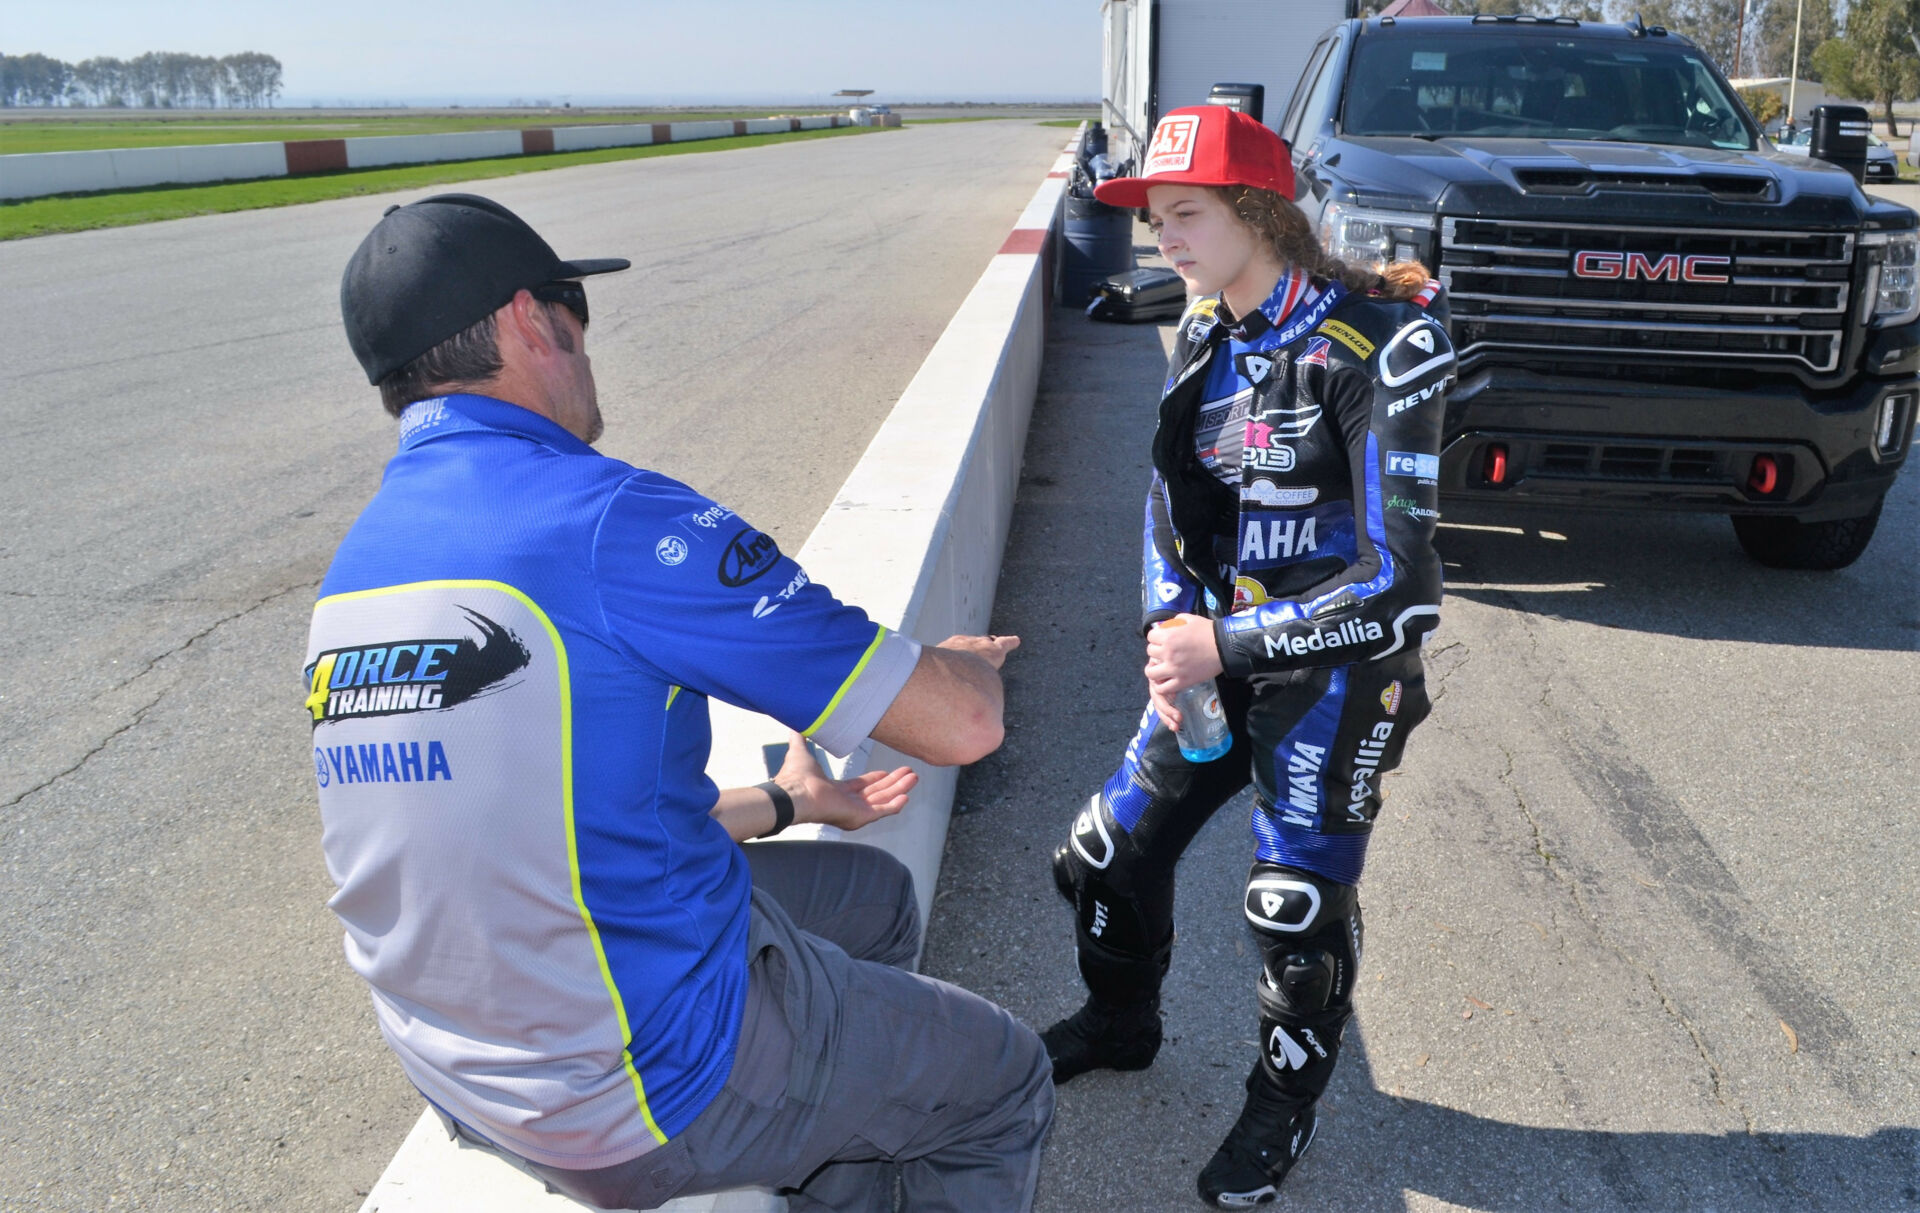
1478 82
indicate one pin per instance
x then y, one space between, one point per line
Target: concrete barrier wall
915 537
380 150
37 174
717 129
29 176
144 166
34 174
916 532
583 138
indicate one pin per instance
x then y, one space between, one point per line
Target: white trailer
1163 54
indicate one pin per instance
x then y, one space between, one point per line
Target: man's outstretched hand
991 649
846 803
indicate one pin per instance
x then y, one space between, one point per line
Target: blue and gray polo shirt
507 677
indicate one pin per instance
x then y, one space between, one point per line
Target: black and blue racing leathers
1315 562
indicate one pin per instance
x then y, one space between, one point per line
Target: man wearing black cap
507 678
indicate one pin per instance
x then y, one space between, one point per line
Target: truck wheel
1788 543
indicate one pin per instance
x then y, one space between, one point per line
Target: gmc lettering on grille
1672 267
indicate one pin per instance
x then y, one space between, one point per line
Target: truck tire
1788 543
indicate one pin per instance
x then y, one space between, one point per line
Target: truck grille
1647 292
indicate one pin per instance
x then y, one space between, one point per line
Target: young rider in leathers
1288 552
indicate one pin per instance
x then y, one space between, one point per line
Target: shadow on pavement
1684 575
1381 1150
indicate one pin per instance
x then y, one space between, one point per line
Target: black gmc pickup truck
1653 308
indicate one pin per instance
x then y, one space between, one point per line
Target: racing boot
1104 1036
1273 1131
1119 1026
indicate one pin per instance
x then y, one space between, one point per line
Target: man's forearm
949 713
978 677
743 812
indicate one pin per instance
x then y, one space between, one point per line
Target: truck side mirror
1249 99
1840 137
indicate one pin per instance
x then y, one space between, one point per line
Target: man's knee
1017 1072
892 937
855 896
899 944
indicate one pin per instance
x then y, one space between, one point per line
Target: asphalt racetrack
1640 906
188 437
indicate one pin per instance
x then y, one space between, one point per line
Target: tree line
157 79
1863 49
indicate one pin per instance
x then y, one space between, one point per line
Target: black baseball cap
435 267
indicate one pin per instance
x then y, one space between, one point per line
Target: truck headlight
1893 281
1359 235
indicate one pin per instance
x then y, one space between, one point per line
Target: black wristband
782 807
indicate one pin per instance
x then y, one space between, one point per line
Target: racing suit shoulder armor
1392 340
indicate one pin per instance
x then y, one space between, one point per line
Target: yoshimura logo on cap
1172 150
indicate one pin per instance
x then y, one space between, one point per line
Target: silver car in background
1882 163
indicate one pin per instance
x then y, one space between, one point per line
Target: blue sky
602 50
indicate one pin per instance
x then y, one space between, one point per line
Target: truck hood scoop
1583 168
1730 187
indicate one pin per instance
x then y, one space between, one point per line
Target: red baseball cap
1206 145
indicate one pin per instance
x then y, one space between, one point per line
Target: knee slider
1119 903
1124 942
1309 932
1298 983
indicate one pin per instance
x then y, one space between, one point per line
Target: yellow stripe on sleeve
840 694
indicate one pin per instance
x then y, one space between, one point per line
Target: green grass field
83 134
79 212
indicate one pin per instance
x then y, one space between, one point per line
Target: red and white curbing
37 174
915 537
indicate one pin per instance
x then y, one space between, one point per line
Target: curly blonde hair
1285 229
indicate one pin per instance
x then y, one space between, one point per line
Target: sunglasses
570 295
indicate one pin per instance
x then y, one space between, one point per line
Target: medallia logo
1352 632
1366 767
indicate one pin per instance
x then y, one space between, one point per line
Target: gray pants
849 1070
